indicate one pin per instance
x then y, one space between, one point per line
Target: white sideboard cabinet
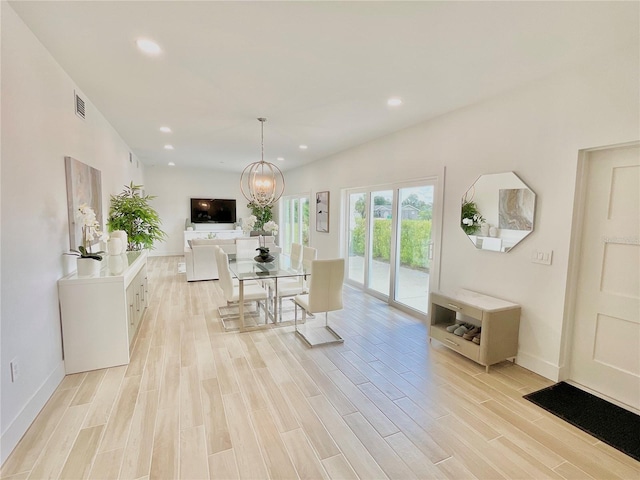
101 314
499 319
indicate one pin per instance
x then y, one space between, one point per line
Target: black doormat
607 422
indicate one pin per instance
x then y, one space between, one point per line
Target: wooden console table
499 319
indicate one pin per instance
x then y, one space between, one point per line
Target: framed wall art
84 185
322 212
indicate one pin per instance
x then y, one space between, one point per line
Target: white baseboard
538 365
14 432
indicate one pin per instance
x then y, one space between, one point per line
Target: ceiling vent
80 109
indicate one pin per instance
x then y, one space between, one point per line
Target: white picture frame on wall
84 186
322 212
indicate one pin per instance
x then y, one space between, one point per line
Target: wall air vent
80 109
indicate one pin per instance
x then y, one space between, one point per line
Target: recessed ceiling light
165 129
171 164
149 47
280 159
303 147
394 102
168 147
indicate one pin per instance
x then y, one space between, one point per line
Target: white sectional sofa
199 255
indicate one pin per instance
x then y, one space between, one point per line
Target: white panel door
606 337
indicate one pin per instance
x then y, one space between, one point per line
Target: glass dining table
245 269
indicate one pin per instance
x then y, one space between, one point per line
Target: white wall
39 128
536 132
174 188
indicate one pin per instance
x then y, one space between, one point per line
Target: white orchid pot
88 267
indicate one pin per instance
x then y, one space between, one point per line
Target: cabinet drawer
454 342
451 304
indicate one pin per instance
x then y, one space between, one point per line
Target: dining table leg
275 301
241 304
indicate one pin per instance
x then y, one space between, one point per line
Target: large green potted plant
130 211
262 214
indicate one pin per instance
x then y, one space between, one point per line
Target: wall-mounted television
213 210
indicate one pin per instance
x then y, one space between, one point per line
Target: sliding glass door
389 242
381 241
414 246
356 228
294 221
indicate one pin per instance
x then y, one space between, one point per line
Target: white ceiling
321 72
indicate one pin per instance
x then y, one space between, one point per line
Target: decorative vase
115 246
484 229
118 263
264 258
122 235
493 232
88 267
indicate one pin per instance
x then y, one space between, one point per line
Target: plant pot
264 258
88 267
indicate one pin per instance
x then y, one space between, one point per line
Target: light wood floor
198 403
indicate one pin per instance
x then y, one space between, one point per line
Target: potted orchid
271 227
88 261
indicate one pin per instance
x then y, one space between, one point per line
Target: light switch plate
542 257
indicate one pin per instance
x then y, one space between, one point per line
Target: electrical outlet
542 257
15 370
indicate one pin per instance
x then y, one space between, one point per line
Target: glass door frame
437 181
285 222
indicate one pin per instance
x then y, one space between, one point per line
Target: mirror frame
493 203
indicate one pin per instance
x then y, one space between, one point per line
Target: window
294 221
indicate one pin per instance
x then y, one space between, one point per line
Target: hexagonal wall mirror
498 212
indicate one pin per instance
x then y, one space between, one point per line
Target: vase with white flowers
471 219
88 261
271 227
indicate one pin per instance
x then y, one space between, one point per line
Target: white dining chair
289 286
247 247
252 291
325 295
296 254
309 254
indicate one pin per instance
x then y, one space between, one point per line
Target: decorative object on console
508 209
88 262
130 211
118 263
115 246
122 236
262 183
